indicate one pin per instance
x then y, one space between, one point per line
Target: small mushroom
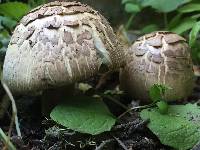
57 44
158 58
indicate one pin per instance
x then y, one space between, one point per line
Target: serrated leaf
189 8
179 128
184 25
163 5
132 8
14 10
84 114
193 34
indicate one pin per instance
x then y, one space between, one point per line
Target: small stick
6 140
121 143
14 108
115 101
134 108
100 147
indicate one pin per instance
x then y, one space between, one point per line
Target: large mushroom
57 44
158 58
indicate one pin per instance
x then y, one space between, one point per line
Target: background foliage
179 16
141 17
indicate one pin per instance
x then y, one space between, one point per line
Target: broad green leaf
14 10
163 5
189 8
34 3
84 114
179 128
132 8
149 28
185 25
193 34
128 1
7 22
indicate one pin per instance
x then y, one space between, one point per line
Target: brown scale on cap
158 58
57 44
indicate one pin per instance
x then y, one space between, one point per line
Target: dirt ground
41 133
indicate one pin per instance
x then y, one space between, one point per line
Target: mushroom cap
158 58
57 44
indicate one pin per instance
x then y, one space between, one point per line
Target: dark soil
40 133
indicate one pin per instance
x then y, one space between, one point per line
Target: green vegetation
175 125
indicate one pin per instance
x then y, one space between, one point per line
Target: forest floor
41 133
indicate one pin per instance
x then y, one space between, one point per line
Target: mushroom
158 58
57 44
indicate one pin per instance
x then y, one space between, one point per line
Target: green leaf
185 25
193 34
163 5
7 22
14 10
179 128
132 8
35 3
162 107
189 8
84 114
157 91
175 20
149 28
196 16
128 1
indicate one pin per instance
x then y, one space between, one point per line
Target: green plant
178 128
180 16
135 7
156 93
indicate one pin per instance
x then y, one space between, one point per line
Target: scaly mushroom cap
57 44
158 58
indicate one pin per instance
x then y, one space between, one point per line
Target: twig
14 108
121 143
134 108
6 140
115 101
100 147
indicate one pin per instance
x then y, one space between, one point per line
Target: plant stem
134 108
165 20
130 20
6 141
14 108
